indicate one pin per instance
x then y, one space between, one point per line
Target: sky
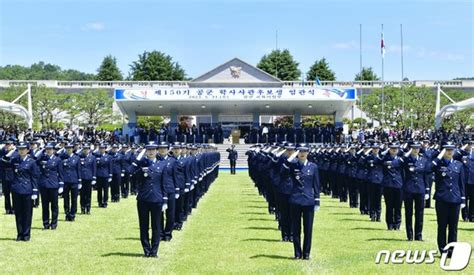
438 36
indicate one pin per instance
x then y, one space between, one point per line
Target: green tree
320 69
281 65
96 106
108 70
156 65
42 71
367 75
150 121
48 105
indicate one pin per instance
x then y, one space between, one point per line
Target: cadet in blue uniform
392 187
118 172
449 194
104 175
151 199
375 177
430 154
6 175
35 152
51 179
24 190
284 189
72 182
133 179
233 155
127 159
304 199
467 159
88 171
171 187
415 187
179 174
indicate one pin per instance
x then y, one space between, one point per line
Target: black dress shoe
153 255
18 239
306 257
46 227
26 239
53 227
297 257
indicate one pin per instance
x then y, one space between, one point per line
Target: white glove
34 197
93 182
109 180
441 155
122 175
60 190
293 156
463 205
316 208
79 186
186 190
165 206
427 197
176 196
192 187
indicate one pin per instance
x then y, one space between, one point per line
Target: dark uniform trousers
115 187
179 211
393 203
22 204
170 217
468 211
147 211
125 185
7 193
133 184
447 216
284 214
341 187
49 198
232 166
351 183
418 200
375 200
307 212
86 194
102 191
364 196
70 201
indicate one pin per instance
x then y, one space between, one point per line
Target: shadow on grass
368 228
466 229
255 206
260 228
128 239
8 239
262 240
355 220
345 213
386 239
253 213
271 257
123 254
260 219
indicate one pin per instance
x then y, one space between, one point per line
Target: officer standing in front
24 190
88 171
467 158
304 198
415 188
449 194
51 180
72 182
151 199
233 155
104 175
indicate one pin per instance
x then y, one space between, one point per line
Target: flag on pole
382 46
318 82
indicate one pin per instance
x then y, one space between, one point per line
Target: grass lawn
229 232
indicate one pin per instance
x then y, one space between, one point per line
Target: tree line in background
406 107
55 110
156 65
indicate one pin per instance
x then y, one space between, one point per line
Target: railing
147 84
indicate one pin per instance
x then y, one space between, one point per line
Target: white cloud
94 26
439 55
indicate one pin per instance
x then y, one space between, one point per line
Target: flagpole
403 77
360 72
383 92
276 48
